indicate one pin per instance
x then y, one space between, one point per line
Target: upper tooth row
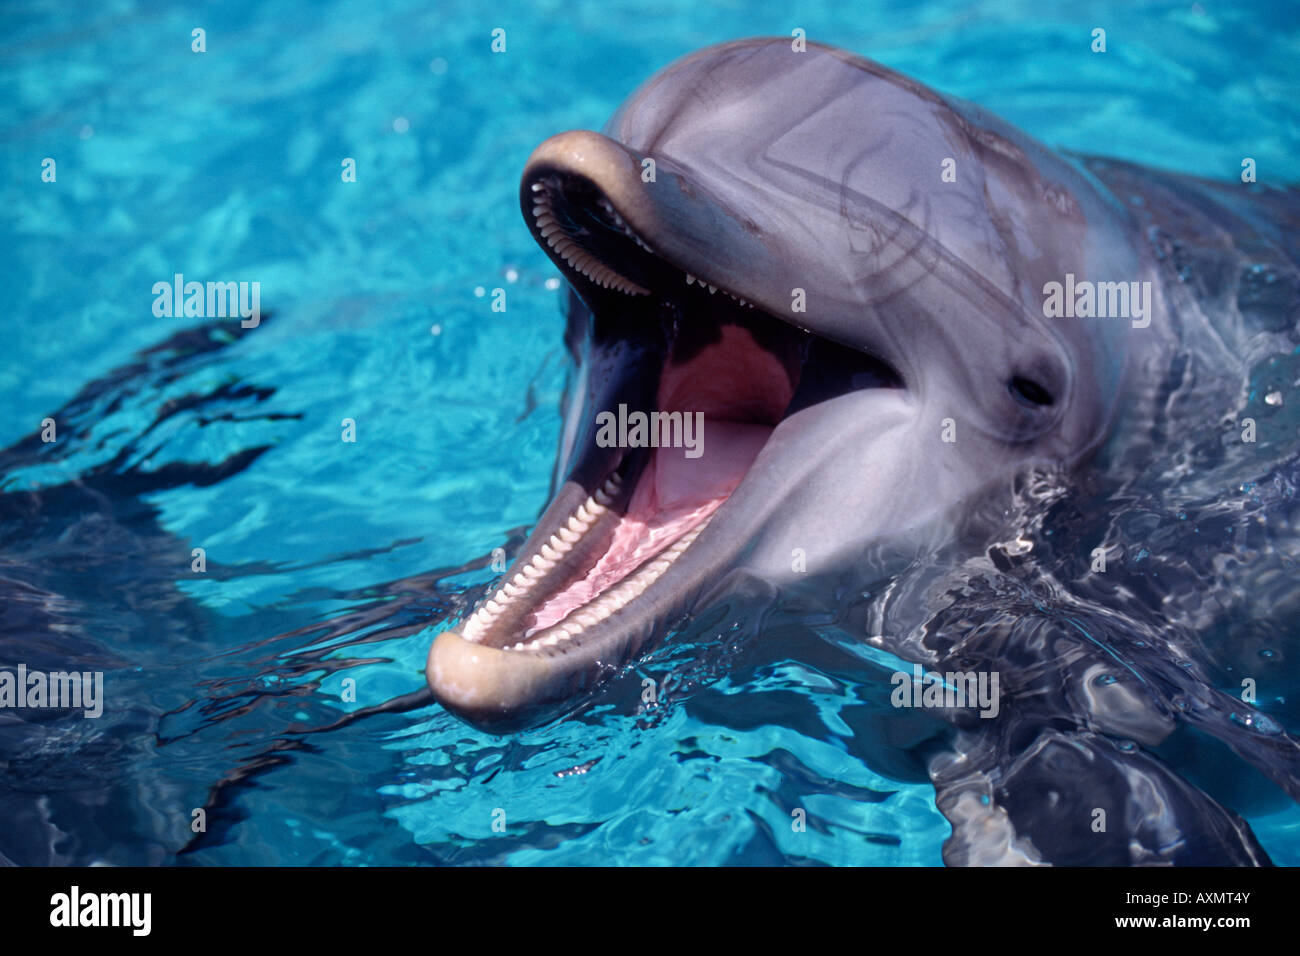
577 257
551 552
589 265
691 280
627 230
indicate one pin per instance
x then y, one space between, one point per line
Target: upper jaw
581 186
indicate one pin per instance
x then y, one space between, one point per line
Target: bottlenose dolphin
846 273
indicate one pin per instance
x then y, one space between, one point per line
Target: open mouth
714 375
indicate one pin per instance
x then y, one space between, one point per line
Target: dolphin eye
1029 392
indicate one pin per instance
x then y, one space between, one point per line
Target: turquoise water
226 165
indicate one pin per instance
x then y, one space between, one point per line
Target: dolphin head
827 281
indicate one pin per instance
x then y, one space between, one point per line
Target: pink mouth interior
734 383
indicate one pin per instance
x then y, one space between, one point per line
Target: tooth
512 591
551 554
577 524
541 564
602 498
493 606
532 572
690 279
537 187
569 537
712 289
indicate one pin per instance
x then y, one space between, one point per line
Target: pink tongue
673 495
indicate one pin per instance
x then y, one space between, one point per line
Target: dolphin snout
486 686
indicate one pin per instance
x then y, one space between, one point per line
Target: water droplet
435 330
1273 398
1268 654
1259 722
401 125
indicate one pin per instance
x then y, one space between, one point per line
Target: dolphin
843 279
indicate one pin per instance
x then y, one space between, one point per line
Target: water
225 691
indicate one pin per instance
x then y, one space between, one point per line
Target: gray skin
778 170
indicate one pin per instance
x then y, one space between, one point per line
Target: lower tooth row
616 599
547 556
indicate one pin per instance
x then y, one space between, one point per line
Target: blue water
226 165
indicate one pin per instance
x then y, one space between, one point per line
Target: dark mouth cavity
701 349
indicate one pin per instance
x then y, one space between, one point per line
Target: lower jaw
674 499
505 668
503 689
